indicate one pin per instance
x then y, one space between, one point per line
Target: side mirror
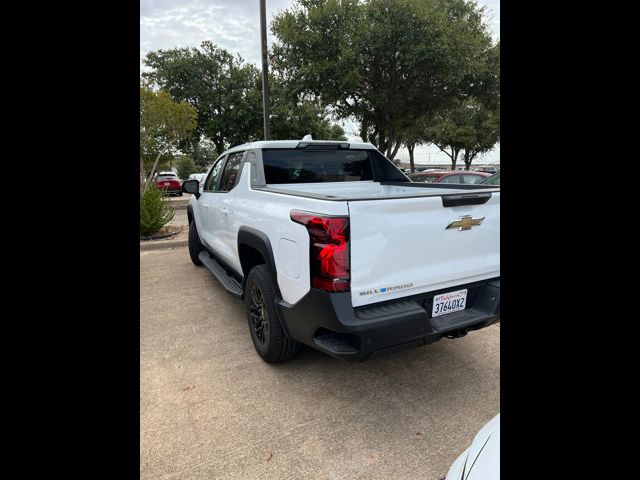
192 186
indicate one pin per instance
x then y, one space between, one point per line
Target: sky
235 26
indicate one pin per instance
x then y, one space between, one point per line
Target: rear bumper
170 189
329 323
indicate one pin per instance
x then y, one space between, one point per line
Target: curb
159 245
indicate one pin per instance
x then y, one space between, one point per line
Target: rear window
424 178
308 166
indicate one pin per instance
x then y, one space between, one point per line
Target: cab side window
212 180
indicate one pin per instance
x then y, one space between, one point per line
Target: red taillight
329 253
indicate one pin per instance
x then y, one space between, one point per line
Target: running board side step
230 284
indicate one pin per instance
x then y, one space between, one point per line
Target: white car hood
487 462
481 461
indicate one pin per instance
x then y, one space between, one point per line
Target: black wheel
195 245
179 194
269 338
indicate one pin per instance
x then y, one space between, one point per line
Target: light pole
265 72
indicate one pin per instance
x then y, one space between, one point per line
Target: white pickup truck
332 246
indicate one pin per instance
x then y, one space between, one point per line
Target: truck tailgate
402 246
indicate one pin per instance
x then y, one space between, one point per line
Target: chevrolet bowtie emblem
465 223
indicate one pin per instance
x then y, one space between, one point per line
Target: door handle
205 206
224 211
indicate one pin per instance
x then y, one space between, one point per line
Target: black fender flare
260 242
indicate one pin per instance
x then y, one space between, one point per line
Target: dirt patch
166 232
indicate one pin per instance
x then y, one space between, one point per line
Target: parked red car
170 183
448 176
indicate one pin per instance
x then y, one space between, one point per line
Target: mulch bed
165 232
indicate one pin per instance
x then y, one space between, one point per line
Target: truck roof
294 144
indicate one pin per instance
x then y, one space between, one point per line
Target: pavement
179 203
210 408
179 217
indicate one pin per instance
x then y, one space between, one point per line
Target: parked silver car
198 176
481 461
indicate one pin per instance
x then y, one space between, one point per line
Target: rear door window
307 166
231 172
452 179
473 179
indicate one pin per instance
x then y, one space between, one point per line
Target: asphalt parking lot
210 408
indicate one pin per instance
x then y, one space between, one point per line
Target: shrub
155 211
185 168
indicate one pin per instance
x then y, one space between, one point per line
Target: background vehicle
198 176
423 168
481 461
492 180
446 176
325 243
488 169
169 182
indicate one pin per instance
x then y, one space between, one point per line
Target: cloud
230 24
492 15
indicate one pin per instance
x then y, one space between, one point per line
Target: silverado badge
466 222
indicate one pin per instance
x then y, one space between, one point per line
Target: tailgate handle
467 199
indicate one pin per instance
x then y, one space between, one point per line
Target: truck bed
370 190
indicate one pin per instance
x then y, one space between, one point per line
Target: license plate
167 183
449 302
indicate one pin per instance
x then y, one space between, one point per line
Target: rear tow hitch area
459 333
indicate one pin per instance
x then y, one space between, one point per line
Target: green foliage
221 87
292 118
384 63
471 124
165 162
336 132
186 167
163 125
227 94
203 154
468 125
155 211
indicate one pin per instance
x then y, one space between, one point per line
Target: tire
179 194
268 336
195 245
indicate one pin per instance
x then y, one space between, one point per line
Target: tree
163 125
485 107
448 130
336 132
220 86
227 94
471 123
293 117
469 126
186 167
382 63
201 151
413 135
485 127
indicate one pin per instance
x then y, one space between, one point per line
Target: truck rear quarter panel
270 213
